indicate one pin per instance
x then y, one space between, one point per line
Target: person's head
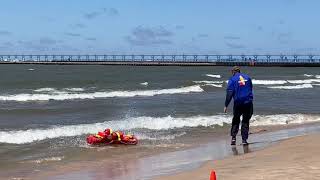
235 69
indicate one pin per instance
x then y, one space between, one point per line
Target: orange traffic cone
213 175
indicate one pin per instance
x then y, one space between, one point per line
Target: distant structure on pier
184 59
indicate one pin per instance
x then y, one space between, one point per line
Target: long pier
166 60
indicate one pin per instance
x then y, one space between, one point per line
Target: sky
159 27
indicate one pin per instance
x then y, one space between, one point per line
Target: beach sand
295 158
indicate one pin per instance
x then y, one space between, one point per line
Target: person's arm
229 95
250 83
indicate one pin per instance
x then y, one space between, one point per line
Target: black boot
244 142
233 141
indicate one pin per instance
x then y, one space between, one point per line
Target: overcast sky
159 26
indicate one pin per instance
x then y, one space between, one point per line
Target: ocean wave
317 76
308 75
304 81
215 85
74 89
214 75
283 119
268 82
144 84
301 86
56 91
208 82
151 123
69 96
47 89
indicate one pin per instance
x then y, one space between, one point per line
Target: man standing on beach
240 89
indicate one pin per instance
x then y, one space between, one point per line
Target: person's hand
225 109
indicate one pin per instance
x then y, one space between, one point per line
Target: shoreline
293 158
165 164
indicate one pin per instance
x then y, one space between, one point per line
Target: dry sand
295 158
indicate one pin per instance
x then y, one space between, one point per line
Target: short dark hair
236 69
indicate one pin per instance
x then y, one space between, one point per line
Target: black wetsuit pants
246 110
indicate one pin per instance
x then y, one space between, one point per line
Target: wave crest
69 96
301 86
151 123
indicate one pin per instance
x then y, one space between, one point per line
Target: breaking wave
208 82
214 75
304 81
69 96
301 86
144 84
268 82
150 123
308 75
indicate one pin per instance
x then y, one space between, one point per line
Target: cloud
5 33
91 15
47 41
91 39
79 26
232 37
144 36
107 11
72 34
235 46
259 28
282 22
138 42
203 35
111 11
48 19
179 27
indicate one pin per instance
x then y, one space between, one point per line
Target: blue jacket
240 89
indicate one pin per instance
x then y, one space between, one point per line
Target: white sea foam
215 85
144 84
317 76
47 89
214 75
48 159
56 91
69 96
308 75
283 119
304 81
151 123
300 86
208 82
74 89
268 82
30 69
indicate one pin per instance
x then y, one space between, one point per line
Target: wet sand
187 161
296 158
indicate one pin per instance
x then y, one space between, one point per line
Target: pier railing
184 58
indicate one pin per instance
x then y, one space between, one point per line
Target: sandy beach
295 158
